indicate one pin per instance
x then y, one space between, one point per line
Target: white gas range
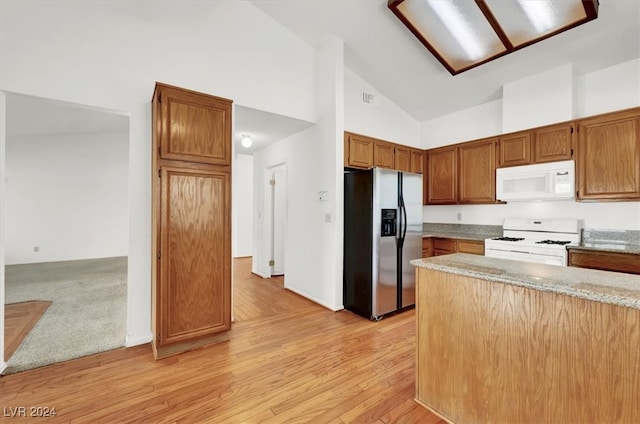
534 240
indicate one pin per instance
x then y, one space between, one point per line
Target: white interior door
278 214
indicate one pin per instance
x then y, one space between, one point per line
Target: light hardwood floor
19 319
288 360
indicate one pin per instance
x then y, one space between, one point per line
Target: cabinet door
417 161
515 149
608 261
194 287
402 158
383 154
475 247
553 143
477 171
442 171
360 151
609 156
194 127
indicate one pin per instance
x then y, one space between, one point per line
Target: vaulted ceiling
380 49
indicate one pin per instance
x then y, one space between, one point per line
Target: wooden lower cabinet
607 261
436 246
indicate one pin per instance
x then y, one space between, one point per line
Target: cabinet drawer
471 246
444 244
607 261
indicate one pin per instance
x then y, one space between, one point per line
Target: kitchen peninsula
506 341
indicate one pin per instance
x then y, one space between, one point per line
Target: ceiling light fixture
246 141
466 34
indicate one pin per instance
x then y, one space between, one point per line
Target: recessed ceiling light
465 34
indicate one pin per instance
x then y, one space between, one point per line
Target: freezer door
385 198
412 249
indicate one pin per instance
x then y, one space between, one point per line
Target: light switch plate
323 196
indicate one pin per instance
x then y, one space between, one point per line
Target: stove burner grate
560 242
508 238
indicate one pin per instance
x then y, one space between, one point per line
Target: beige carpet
87 313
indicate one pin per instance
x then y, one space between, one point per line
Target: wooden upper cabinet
383 154
402 158
194 296
477 170
442 175
359 151
515 149
417 161
193 127
609 156
553 143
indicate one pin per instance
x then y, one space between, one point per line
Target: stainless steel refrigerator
382 233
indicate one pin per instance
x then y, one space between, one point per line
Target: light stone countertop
617 247
461 231
600 286
457 236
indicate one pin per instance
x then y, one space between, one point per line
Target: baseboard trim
260 274
3 367
313 299
135 341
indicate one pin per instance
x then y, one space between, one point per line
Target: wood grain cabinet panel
442 175
195 254
609 156
607 261
402 159
427 247
515 149
477 172
191 222
383 154
417 161
359 151
553 143
193 127
474 247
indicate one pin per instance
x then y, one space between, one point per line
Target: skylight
464 34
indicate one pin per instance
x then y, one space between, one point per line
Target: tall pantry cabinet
191 218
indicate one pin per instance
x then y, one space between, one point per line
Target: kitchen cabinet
437 246
553 143
193 127
442 175
607 261
191 228
403 158
477 171
383 154
358 151
515 149
462 173
366 152
609 156
417 161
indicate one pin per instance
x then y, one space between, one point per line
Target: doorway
66 227
277 198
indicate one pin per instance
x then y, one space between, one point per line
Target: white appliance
544 181
542 241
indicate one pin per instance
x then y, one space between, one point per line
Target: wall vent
368 98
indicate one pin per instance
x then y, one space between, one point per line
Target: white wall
3 144
66 194
477 122
606 90
613 88
541 99
110 54
242 205
313 247
382 120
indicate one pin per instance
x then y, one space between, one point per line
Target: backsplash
462 229
604 236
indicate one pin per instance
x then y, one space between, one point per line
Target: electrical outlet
323 196
327 217
459 216
36 249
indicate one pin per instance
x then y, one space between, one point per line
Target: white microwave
544 181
